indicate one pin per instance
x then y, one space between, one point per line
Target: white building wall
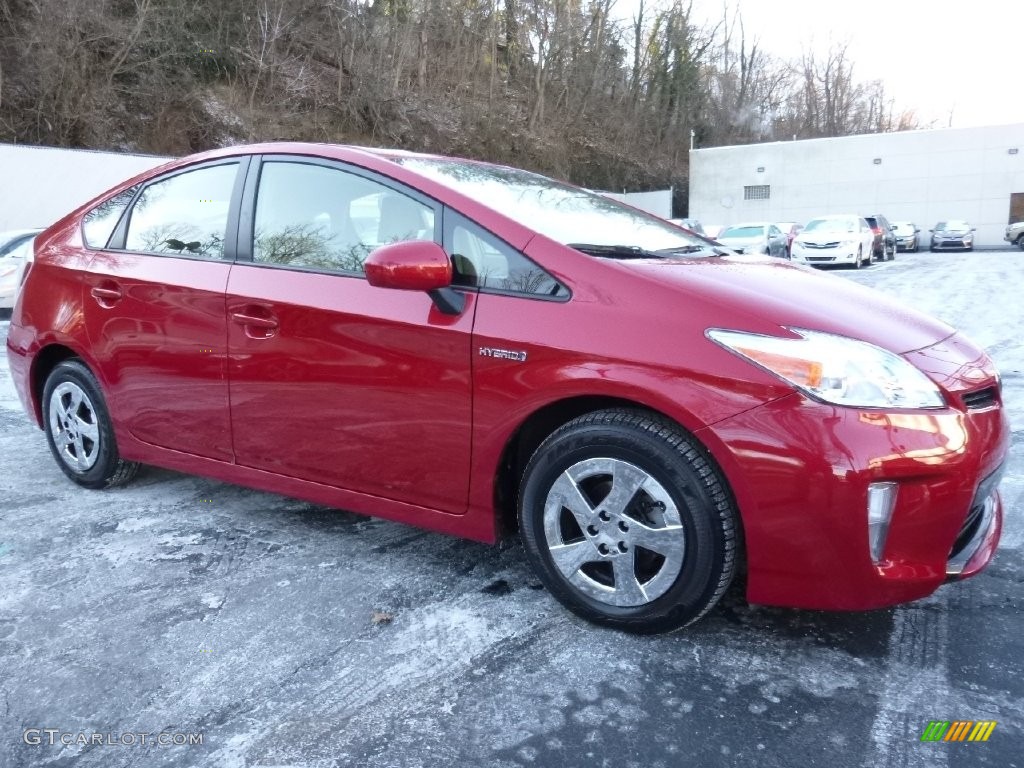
658 202
923 176
38 185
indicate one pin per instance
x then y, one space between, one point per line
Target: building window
757 192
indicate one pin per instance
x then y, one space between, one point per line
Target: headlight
836 369
848 243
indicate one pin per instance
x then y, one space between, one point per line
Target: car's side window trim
245 230
243 162
453 218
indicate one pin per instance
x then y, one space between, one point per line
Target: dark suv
885 239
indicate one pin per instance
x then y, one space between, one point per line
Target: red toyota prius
474 349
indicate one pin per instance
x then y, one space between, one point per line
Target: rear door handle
107 294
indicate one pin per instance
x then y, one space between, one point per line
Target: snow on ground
251 620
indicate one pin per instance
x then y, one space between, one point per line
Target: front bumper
800 470
952 245
824 256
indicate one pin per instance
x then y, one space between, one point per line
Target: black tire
1020 242
892 254
682 484
92 460
860 259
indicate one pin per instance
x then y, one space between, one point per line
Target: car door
154 305
776 242
332 380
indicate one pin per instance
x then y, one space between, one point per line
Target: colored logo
958 730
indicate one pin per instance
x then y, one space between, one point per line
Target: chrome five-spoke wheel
628 521
79 430
73 426
614 532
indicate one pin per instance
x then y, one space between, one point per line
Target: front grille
822 245
980 398
821 258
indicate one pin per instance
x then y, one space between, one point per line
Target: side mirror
974 229
916 230
415 265
931 230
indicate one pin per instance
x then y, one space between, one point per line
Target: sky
959 63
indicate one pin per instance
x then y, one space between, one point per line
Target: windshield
742 231
952 226
831 225
566 214
900 227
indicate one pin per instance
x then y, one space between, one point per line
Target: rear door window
185 214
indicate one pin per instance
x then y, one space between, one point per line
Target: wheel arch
532 431
48 358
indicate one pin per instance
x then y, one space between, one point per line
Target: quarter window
481 260
184 215
324 218
99 223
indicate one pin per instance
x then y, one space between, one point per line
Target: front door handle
241 318
258 322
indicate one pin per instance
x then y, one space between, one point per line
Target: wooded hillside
566 87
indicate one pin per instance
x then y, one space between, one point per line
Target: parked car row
781 239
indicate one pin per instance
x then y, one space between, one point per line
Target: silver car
952 235
759 237
907 236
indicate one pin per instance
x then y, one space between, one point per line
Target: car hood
826 237
743 293
956 232
741 242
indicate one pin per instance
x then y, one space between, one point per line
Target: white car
840 239
15 250
757 237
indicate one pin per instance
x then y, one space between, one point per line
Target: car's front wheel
79 430
627 522
1020 242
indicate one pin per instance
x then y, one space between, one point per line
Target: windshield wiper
684 250
616 251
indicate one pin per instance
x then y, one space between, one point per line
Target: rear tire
1020 242
628 523
79 430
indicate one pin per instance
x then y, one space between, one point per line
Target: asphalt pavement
285 634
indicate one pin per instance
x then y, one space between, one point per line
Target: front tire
627 522
1020 242
79 430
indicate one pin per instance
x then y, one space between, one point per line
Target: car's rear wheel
79 430
627 522
1020 242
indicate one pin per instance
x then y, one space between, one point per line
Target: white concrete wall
924 177
658 202
38 185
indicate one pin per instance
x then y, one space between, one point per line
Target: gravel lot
182 605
